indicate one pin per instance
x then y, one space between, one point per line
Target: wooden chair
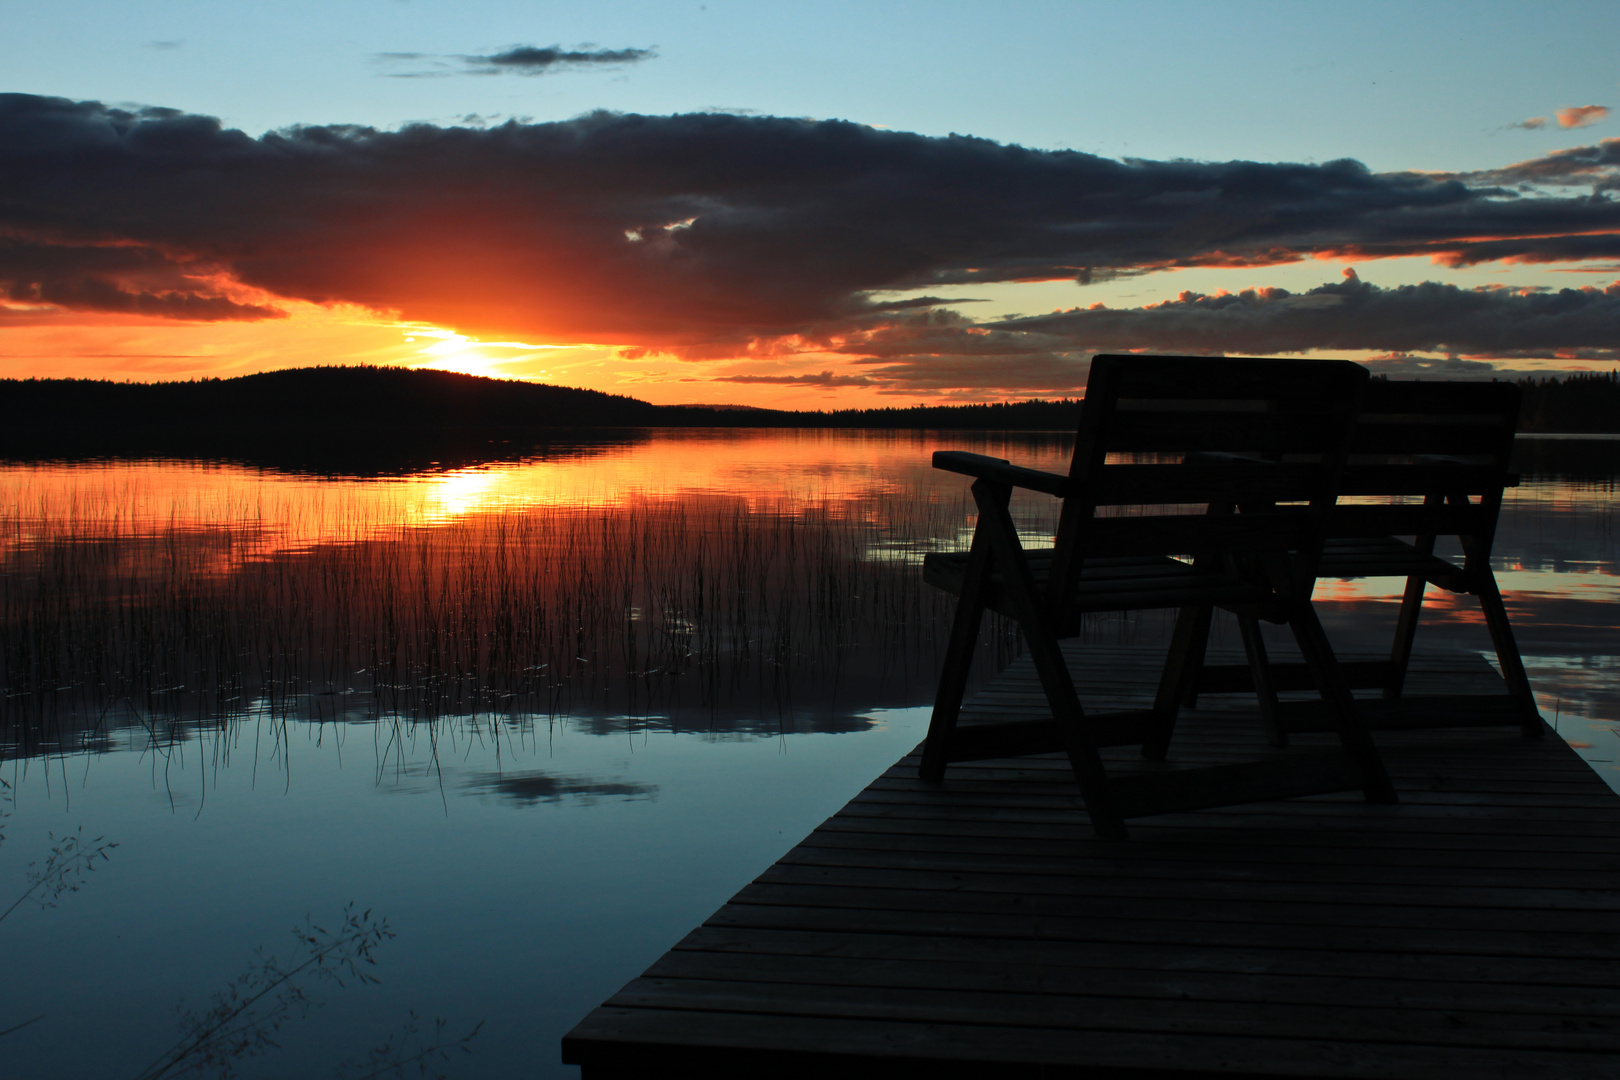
1157 434
1428 459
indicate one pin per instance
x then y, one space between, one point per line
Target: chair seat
1124 583
1387 556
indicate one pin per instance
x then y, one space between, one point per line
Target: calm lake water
542 714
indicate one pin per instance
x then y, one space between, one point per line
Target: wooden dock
977 928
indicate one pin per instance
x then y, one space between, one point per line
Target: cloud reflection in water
529 788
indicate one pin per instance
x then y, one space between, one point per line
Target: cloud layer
535 60
115 278
1045 354
708 232
518 60
1354 315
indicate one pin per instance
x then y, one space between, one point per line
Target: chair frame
1243 431
1448 444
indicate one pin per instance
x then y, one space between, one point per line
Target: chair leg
1179 679
1507 655
958 661
952 686
1189 693
1206 615
1265 691
996 524
1082 752
1400 652
1330 683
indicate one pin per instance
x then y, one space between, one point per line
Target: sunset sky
805 205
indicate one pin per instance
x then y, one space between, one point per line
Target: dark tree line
439 414
1588 402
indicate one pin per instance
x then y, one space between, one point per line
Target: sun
447 350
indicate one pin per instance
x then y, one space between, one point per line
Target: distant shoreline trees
1585 402
395 409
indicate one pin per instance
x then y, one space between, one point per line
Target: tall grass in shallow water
729 612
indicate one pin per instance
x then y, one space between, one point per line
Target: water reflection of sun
776 471
453 494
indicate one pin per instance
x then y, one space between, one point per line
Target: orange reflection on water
775 470
1517 587
1555 541
1556 538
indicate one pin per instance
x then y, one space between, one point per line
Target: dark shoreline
388 420
1594 458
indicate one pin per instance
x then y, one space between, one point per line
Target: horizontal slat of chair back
1173 436
1180 430
1429 439
1228 429
1237 481
1190 534
1412 520
1381 434
1456 419
1214 378
1418 479
1444 398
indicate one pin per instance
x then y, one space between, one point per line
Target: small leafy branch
63 871
243 1019
71 857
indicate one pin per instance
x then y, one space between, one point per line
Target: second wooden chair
1427 460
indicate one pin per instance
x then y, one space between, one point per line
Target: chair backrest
1174 437
1435 455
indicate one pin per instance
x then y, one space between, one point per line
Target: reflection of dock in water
977 928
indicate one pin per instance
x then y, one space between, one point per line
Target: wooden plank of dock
977 928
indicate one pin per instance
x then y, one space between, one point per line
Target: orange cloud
1473 250
824 378
1581 115
114 275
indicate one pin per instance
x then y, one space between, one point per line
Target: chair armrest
999 470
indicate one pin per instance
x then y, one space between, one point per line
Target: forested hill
317 398
334 406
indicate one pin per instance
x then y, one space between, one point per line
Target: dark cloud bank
1430 317
705 232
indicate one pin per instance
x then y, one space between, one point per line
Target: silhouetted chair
1428 459
1157 434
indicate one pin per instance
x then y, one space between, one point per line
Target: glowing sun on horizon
448 350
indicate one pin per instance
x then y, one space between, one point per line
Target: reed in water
720 610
